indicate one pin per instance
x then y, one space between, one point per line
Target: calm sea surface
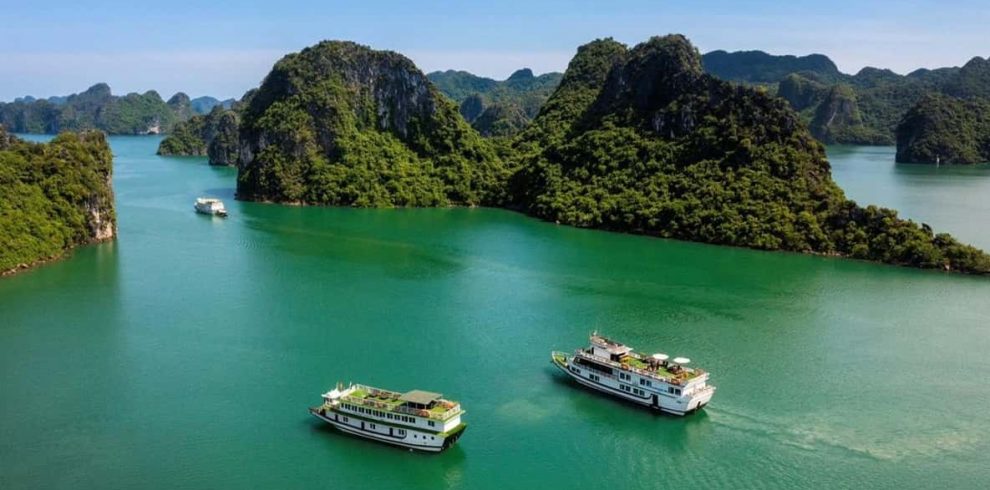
186 353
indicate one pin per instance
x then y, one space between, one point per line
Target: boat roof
420 397
612 346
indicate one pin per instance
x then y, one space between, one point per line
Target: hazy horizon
223 51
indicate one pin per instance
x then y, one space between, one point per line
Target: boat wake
815 433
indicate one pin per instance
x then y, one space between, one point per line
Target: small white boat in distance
211 206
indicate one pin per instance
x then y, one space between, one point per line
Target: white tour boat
211 206
652 381
415 419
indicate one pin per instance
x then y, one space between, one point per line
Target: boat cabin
420 400
609 349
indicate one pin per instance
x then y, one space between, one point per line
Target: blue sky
223 48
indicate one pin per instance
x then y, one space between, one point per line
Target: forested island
53 197
943 129
637 140
97 108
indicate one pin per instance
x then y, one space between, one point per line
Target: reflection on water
951 198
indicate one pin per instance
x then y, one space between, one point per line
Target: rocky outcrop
472 107
57 196
342 124
181 106
945 130
801 92
214 135
500 120
223 138
838 119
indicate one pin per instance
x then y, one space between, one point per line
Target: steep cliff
53 197
640 140
214 135
802 92
500 119
342 124
945 130
838 119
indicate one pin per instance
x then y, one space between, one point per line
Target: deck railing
675 379
392 407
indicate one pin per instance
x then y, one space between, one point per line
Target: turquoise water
186 353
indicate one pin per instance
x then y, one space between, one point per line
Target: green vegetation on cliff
214 135
946 130
497 108
642 141
838 119
760 67
341 124
53 196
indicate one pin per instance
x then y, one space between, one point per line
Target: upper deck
623 357
416 403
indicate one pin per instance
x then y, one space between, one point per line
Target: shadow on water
407 248
629 422
225 193
363 457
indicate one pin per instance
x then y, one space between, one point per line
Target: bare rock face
222 147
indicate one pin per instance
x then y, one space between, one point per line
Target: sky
223 48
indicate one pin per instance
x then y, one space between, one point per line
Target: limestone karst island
418 245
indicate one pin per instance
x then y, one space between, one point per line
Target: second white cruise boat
654 381
416 419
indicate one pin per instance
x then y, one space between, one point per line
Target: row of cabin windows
379 413
674 391
642 381
632 390
594 377
594 365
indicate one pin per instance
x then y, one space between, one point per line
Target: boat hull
653 401
385 433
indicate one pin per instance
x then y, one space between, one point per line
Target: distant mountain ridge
98 108
864 108
762 67
497 108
